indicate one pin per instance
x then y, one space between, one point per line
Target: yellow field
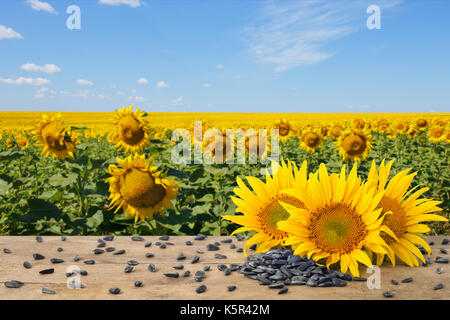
104 120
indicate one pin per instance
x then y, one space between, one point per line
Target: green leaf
10 155
95 220
59 180
206 198
4 187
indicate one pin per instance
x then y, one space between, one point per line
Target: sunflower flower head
354 144
311 139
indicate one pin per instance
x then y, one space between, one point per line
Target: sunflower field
92 173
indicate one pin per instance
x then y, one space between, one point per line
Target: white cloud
178 101
207 85
103 96
133 91
219 66
131 3
142 81
84 82
26 81
120 93
41 6
8 33
47 68
290 34
43 91
162 84
137 99
83 94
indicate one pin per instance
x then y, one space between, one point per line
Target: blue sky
225 56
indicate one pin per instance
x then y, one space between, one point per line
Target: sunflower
285 130
354 144
383 124
422 123
224 143
131 130
336 131
311 140
339 220
359 123
9 143
22 141
54 138
405 212
436 134
401 127
261 208
139 188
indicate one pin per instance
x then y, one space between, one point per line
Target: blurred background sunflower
354 144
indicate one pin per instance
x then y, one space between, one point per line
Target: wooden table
108 272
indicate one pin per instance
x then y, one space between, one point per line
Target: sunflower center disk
51 134
354 144
283 130
138 188
396 221
337 228
130 130
311 139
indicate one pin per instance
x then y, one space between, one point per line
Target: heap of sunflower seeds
279 268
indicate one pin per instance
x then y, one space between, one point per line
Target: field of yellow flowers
78 173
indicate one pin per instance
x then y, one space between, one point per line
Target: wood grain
109 272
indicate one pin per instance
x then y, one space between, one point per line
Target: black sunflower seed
200 237
431 243
47 271
220 256
110 249
394 282
232 246
133 262
164 238
121 251
407 280
138 283
195 259
162 246
439 270
76 258
282 291
152 267
56 260
27 265
48 291
231 288
38 256
441 260
187 273
212 247
252 247
157 243
178 266
181 256
98 251
276 285
172 274
206 268
198 250
201 289
39 239
239 250
199 276
227 240
89 262
60 249
83 272
188 243
149 255
101 245
339 282
444 251
137 238
108 238
388 294
361 279
438 286
6 250
148 244
128 269
444 241
114 290
14 284
169 243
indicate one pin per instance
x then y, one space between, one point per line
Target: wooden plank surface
108 271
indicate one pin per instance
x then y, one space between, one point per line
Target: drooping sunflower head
404 212
338 220
55 138
336 130
139 188
383 124
359 123
131 130
354 144
311 140
436 134
261 207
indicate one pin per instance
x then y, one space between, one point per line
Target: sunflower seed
172 274
47 271
75 284
431 243
252 247
200 237
362 279
239 250
439 270
407 280
221 267
157 243
438 286
195 259
152 267
181 256
38 256
14 284
162 246
394 282
6 250
444 251
101 245
199 276
110 249
444 241
441 260
27 265
149 255
60 249
220 256
148 244
164 238
138 283
121 251
98 251
76 258
137 238
128 269
39 239
70 274
169 243
48 291
201 289
133 262
312 283
188 243
185 274
231 288
276 285
339 282
108 238
198 250
114 290
232 246
89 262
83 272
227 240
211 247
388 294
178 266
56 260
